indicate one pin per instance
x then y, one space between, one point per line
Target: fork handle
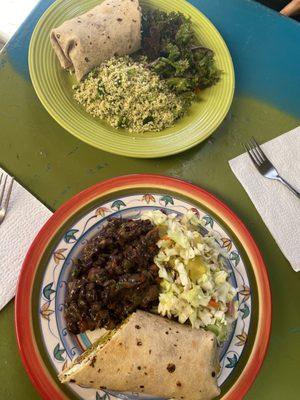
290 187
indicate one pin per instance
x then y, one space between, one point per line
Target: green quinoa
128 95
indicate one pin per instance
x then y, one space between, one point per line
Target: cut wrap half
152 355
112 28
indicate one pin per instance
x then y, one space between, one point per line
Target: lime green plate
54 88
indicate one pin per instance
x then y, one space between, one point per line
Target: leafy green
148 119
101 89
159 29
170 45
185 34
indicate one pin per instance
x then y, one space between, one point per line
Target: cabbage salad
194 284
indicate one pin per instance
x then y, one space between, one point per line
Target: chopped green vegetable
169 43
101 89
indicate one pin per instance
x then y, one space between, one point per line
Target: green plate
54 88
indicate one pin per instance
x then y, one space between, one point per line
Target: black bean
114 275
91 296
83 305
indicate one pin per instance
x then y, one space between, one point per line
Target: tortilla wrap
112 28
152 355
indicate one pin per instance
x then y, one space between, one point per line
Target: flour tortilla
152 355
112 28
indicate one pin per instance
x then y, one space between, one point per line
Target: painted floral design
47 291
148 198
227 243
46 312
208 220
70 236
63 347
235 258
242 339
58 255
195 211
117 205
101 211
232 361
166 200
245 292
58 353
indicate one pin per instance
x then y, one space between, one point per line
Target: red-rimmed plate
45 345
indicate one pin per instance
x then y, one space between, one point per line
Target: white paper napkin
24 218
278 207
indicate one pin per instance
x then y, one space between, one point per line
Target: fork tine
253 154
264 157
256 151
2 189
6 201
248 149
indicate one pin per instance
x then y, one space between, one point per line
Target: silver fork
264 165
4 195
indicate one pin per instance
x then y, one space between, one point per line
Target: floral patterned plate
47 347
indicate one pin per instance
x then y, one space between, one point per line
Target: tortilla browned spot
93 360
171 368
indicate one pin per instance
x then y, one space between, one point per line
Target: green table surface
54 165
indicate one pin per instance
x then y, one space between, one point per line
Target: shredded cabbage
195 283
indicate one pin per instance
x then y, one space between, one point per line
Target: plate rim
28 350
139 153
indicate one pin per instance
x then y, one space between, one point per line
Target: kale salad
173 52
